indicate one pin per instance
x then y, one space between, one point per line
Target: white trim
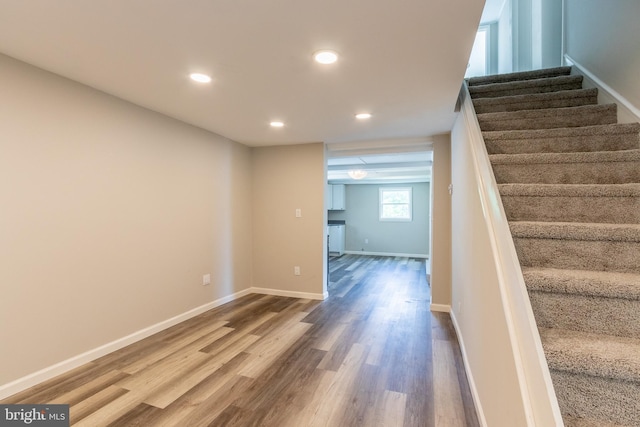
627 112
387 254
292 294
442 308
30 380
472 383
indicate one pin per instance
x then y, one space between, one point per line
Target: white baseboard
30 380
472 384
627 112
443 308
387 254
292 294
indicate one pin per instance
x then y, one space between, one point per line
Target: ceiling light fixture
276 124
325 56
357 173
200 78
363 116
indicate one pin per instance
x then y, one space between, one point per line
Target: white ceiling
401 60
396 161
388 168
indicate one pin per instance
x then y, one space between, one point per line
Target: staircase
569 178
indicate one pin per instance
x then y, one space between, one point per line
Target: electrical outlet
206 279
366 241
298 213
296 270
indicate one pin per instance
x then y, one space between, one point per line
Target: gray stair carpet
569 179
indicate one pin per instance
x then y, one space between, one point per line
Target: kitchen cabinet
336 239
335 197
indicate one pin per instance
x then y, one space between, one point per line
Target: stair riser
568 173
564 145
480 92
535 105
603 399
578 254
611 316
561 120
623 210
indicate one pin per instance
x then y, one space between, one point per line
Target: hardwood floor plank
390 409
163 372
190 343
264 351
180 385
94 402
111 411
207 412
327 341
448 400
233 348
331 411
84 391
139 416
59 385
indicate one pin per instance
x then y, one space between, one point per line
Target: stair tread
542 113
570 190
536 97
591 354
570 421
606 284
490 89
576 231
571 157
520 75
611 129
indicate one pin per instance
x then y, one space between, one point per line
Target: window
395 204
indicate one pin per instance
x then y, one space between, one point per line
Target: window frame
381 205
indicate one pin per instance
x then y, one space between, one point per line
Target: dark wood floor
372 354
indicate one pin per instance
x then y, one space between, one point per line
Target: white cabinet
335 197
336 239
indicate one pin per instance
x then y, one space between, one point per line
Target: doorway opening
378 202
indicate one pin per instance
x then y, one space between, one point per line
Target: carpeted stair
569 178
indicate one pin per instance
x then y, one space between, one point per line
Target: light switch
298 213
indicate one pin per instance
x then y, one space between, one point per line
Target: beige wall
362 221
441 222
476 300
603 37
286 178
110 214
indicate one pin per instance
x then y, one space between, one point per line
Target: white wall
362 221
604 37
550 29
110 215
505 44
529 35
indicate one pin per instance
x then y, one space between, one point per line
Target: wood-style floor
372 354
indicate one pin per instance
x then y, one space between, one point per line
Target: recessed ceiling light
357 174
200 78
276 124
325 56
363 116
